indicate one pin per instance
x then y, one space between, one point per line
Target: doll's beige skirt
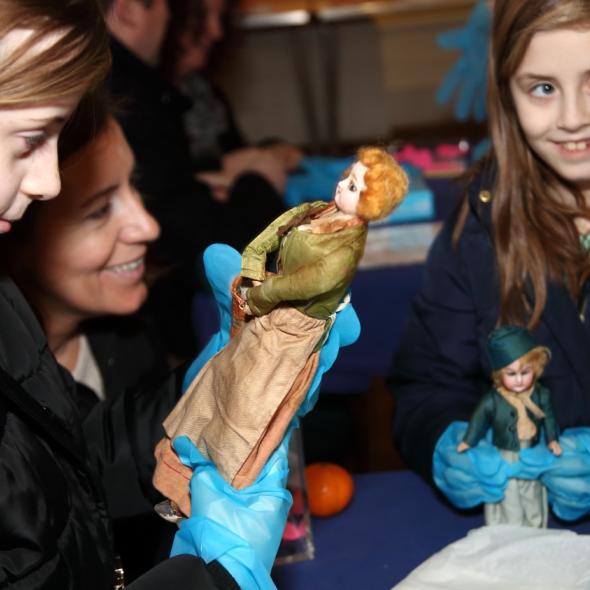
239 405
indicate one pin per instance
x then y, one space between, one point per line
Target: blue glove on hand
242 529
468 76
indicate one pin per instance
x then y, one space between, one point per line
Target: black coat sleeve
438 374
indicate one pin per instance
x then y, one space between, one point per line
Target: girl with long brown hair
517 249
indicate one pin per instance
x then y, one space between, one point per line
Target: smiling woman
82 256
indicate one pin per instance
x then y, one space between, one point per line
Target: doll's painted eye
352 187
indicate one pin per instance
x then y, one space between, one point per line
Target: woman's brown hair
534 234
67 51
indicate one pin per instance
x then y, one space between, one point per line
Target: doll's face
518 377
349 189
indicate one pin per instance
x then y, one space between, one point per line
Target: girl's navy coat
441 369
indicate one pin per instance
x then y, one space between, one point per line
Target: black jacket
129 357
54 513
442 369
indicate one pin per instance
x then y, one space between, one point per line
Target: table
394 523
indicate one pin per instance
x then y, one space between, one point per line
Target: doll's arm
309 280
254 255
480 421
549 422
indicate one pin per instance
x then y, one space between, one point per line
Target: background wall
385 74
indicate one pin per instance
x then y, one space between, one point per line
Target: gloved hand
567 478
473 477
241 529
222 264
468 76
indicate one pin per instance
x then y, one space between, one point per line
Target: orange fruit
329 488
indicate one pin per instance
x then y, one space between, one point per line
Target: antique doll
239 405
516 407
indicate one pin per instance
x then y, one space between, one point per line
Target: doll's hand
462 447
555 448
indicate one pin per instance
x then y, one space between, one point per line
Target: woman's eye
352 187
542 90
101 212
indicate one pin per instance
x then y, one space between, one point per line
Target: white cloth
505 557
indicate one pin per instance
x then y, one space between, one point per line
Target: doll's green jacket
314 270
496 412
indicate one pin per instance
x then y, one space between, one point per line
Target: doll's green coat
314 270
495 412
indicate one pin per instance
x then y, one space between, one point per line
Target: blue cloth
315 180
467 77
480 474
242 529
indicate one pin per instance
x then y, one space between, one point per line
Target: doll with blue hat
518 409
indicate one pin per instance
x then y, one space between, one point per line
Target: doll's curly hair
537 357
386 184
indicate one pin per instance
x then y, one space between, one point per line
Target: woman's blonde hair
37 71
537 357
386 184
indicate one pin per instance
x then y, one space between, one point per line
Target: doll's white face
349 189
518 377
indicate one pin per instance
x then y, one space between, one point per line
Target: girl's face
551 92
349 189
87 252
28 156
518 377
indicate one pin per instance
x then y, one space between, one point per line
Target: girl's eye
542 90
352 187
33 141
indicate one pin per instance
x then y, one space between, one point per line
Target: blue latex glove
568 478
242 529
467 479
467 77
